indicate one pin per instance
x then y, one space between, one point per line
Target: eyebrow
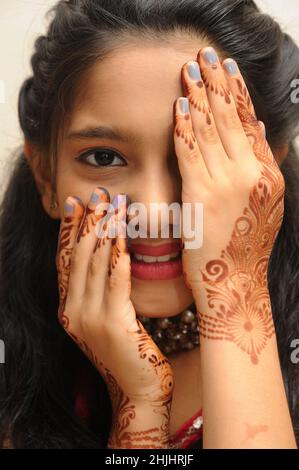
101 132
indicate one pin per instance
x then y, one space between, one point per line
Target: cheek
70 184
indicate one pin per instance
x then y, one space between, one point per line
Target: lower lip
156 271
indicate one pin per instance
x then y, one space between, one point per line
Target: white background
21 21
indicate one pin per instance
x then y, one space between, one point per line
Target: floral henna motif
183 130
197 99
217 87
157 362
244 104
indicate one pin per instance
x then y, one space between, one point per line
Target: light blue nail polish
105 191
115 201
210 56
231 67
118 200
78 200
69 208
184 105
194 72
94 198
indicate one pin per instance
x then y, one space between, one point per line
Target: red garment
189 433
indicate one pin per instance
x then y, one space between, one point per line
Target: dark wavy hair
42 363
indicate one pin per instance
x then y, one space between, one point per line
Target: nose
157 192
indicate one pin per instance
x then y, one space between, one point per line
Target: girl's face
131 93
121 126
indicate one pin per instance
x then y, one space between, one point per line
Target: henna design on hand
217 87
235 284
197 99
124 413
91 217
158 402
161 365
183 131
63 259
129 413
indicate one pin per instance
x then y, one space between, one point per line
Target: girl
162 102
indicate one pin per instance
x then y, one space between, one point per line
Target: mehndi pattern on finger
196 96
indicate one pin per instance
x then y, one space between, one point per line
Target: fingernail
128 200
231 67
210 56
184 105
120 199
79 201
262 125
94 198
68 207
194 71
105 193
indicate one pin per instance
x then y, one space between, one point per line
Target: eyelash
83 157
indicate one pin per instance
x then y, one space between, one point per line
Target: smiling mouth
156 259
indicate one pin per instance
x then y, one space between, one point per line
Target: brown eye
101 158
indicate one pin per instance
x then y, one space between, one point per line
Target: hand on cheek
97 313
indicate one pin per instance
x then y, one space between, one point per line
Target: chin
158 299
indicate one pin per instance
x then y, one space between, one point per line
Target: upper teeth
154 259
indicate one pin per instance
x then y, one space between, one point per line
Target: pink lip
160 250
158 270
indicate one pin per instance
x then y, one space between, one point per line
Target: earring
54 204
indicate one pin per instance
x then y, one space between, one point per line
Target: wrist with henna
236 309
233 301
142 424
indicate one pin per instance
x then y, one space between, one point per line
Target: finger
228 123
119 283
246 112
99 265
203 121
263 128
190 160
73 213
85 242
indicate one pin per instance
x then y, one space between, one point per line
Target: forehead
135 86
